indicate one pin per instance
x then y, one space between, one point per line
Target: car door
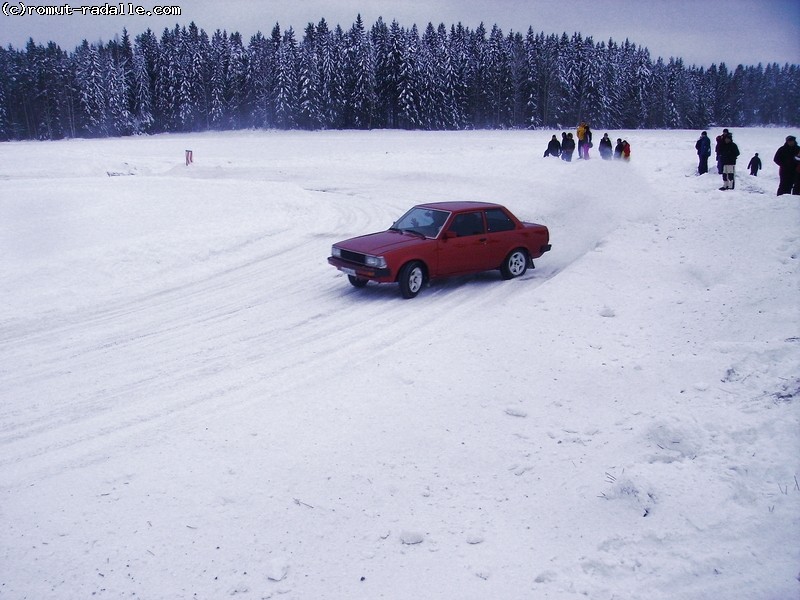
463 247
501 236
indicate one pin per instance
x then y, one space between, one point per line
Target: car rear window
497 220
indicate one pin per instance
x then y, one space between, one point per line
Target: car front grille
355 257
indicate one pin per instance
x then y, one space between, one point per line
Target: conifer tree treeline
386 76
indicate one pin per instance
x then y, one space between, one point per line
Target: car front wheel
515 264
356 281
411 278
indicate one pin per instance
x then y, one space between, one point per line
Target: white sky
700 31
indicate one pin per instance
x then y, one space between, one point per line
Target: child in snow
754 165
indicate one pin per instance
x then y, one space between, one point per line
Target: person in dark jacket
720 141
703 147
728 153
754 165
567 148
553 148
605 148
618 148
788 159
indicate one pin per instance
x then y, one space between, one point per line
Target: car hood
381 243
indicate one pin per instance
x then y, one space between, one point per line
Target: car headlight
336 252
379 262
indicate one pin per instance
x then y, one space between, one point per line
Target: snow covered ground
194 404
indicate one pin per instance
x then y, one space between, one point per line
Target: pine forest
386 76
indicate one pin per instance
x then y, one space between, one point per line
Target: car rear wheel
411 278
356 282
515 264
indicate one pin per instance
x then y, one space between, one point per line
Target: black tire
356 282
515 264
411 279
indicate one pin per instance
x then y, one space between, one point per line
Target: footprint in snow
515 412
410 538
278 569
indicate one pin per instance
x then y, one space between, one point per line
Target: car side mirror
449 235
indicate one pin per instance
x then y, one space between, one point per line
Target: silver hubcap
516 264
415 279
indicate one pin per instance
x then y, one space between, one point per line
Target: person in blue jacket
703 147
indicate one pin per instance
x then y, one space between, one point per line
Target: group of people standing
787 158
566 147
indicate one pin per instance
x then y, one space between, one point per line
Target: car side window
467 224
497 220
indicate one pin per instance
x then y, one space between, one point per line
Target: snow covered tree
387 60
498 85
286 82
236 89
91 86
721 102
311 114
408 88
260 79
219 57
145 61
121 121
359 71
143 107
329 68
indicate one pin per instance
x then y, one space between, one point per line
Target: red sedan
441 239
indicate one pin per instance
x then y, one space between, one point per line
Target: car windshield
425 221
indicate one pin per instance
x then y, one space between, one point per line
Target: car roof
457 206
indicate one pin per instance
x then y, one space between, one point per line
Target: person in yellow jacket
581 135
584 140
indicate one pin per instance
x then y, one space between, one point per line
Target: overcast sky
702 32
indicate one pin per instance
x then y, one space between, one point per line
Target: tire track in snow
97 378
101 377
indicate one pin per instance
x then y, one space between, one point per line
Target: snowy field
194 404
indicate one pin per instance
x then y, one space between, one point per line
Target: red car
442 239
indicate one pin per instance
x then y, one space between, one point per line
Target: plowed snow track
105 373
193 403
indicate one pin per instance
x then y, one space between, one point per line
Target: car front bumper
361 271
